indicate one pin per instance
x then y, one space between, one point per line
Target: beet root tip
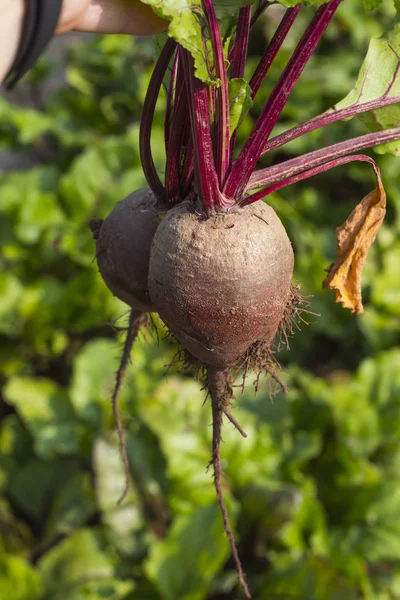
219 384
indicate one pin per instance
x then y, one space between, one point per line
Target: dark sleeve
39 26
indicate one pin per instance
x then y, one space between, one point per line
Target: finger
119 16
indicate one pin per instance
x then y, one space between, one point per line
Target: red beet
123 247
221 284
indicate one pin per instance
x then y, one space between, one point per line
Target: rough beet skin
222 283
123 247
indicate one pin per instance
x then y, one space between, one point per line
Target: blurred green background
314 491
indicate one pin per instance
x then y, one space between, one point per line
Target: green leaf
47 412
371 4
15 535
93 378
15 447
290 3
379 78
183 434
10 293
32 486
18 580
310 578
73 505
187 27
240 102
80 568
122 522
29 123
183 565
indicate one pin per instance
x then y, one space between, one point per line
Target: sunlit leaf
18 580
379 79
47 412
183 565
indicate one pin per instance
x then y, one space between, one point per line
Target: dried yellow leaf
353 241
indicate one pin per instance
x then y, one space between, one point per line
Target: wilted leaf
354 239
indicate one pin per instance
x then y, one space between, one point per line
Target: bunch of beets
201 248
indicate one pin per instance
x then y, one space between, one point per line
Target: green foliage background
314 491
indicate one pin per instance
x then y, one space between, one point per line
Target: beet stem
331 116
188 169
223 127
204 166
306 174
294 166
220 387
245 163
149 106
170 102
136 320
238 56
180 126
273 49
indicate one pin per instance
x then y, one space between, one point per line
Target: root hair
136 320
220 389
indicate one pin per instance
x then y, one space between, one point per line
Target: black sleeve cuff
40 24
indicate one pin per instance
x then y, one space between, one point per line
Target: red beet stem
292 167
252 150
305 175
204 167
331 116
223 128
273 49
149 106
170 101
238 56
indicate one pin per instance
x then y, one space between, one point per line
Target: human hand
110 16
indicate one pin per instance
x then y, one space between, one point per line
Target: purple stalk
292 167
170 101
305 175
325 119
223 148
204 172
239 51
273 49
187 171
239 55
149 106
248 158
180 125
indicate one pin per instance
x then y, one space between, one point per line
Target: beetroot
223 283
123 243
